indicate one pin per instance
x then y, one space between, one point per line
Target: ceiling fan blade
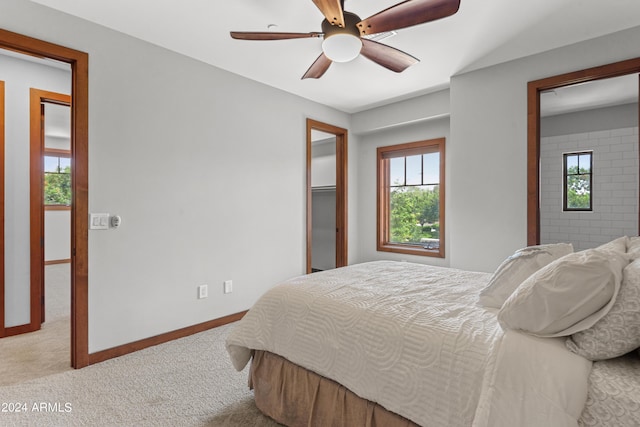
318 68
407 14
332 10
387 56
246 35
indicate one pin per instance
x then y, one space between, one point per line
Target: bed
389 343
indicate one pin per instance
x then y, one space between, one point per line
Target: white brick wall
614 188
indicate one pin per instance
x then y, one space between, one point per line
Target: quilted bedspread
413 339
614 394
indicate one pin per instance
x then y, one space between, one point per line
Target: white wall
487 151
19 77
410 111
208 177
57 235
614 188
323 163
596 119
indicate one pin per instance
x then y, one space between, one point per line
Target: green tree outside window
57 181
414 214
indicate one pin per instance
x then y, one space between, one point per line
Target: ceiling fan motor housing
350 26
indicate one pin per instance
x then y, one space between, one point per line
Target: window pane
65 164
431 168
579 192
572 163
414 170
57 180
51 164
414 216
585 163
57 189
397 171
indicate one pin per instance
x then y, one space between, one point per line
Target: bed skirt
294 396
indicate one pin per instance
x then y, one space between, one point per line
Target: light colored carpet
57 279
186 382
47 351
36 354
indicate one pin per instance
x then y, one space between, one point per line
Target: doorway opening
78 62
536 90
326 196
51 177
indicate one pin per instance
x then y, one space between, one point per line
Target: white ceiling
483 32
594 94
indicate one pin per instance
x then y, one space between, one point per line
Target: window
411 198
57 178
577 181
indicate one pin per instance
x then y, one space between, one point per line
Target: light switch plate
228 286
202 291
99 221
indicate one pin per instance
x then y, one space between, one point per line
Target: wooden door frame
2 273
37 100
341 191
79 62
534 89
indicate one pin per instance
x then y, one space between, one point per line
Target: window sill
411 250
57 208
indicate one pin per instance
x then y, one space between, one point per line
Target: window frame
383 187
60 153
565 176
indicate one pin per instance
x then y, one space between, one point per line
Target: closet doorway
326 196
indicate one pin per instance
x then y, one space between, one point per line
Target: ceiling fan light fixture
346 36
342 47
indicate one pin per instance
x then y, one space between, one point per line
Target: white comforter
413 339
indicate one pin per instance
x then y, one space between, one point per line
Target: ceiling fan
345 33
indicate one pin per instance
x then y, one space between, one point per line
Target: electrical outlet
228 286
202 291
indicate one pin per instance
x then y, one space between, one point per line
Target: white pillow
618 245
567 296
519 266
633 247
618 332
